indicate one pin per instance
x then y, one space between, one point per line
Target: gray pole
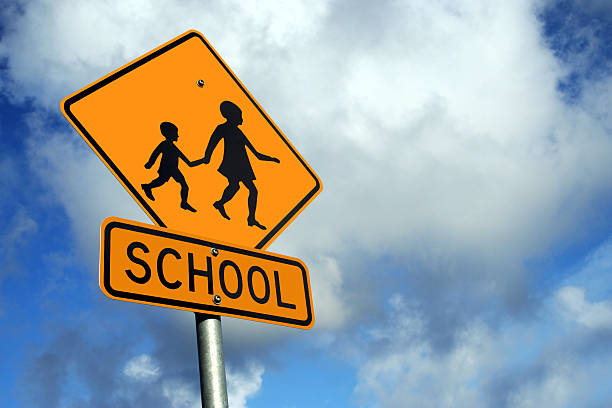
212 365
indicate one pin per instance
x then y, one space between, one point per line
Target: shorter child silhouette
168 166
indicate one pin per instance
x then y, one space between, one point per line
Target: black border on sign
197 306
135 193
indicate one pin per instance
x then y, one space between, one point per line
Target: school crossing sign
193 147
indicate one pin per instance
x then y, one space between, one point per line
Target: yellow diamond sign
192 146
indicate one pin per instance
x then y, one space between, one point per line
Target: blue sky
460 252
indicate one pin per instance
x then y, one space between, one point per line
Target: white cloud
593 273
21 226
407 371
555 357
520 364
56 47
597 98
555 390
180 394
596 315
142 368
330 308
243 384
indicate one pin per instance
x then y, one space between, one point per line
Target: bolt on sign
158 266
192 146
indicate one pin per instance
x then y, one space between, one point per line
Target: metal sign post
211 362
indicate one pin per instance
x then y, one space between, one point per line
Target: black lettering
279 301
198 272
222 267
160 268
266 296
147 270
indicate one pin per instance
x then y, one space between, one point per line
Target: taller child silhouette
168 166
235 165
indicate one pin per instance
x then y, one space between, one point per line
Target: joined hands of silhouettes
235 166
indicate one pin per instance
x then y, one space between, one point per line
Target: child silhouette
235 165
168 166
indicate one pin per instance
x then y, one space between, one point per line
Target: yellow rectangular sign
147 264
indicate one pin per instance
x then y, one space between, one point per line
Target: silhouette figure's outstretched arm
189 162
260 156
153 157
212 143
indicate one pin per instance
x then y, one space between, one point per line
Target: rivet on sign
214 251
200 83
216 299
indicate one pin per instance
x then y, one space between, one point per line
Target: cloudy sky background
460 253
